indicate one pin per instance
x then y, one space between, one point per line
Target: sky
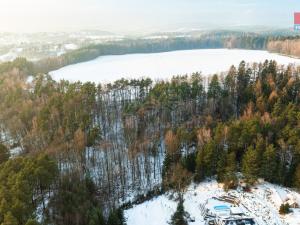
121 16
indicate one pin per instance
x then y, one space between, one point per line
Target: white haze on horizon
140 15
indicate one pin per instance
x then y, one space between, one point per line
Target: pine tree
200 167
243 93
229 92
166 164
206 161
96 217
284 209
116 217
210 158
9 219
270 164
32 222
4 153
297 177
227 170
214 88
214 93
179 217
231 163
250 165
221 166
230 178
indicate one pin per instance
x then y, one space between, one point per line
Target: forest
278 43
285 46
87 151
213 39
274 42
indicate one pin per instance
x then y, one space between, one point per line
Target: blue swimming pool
221 207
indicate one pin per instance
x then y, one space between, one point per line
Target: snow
8 56
11 55
164 65
71 46
156 37
14 152
293 218
60 52
261 204
236 210
154 212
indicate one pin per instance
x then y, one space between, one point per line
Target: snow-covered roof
236 211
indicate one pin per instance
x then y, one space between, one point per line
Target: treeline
20 64
286 46
210 40
214 40
249 124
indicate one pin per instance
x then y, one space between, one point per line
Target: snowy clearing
262 204
163 65
154 212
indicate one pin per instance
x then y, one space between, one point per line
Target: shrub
284 209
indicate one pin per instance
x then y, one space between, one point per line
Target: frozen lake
163 65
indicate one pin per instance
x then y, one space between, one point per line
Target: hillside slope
262 203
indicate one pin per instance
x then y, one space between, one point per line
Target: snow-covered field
163 65
262 203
